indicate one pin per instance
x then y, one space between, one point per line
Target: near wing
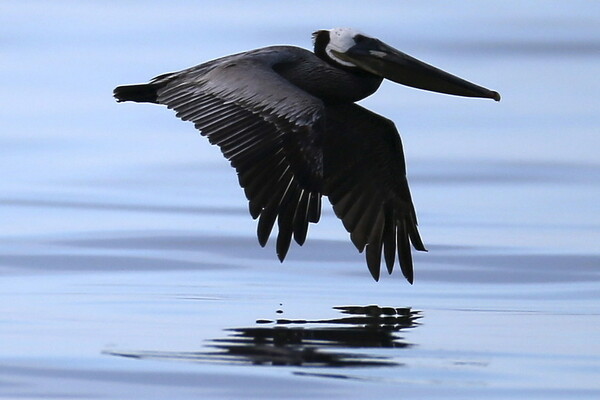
365 179
268 128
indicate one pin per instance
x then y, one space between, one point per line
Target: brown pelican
287 121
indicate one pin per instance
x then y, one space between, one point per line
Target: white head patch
340 40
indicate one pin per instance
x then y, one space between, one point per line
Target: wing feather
365 180
389 239
301 218
269 129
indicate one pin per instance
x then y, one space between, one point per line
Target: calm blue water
129 264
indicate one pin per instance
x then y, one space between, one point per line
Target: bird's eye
359 38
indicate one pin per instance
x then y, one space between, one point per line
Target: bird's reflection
338 342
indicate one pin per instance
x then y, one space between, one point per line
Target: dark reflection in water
307 343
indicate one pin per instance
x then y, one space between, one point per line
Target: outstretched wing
365 179
268 128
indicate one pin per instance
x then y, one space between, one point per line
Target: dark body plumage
287 121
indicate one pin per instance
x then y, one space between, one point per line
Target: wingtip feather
373 255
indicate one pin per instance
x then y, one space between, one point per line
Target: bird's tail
143 93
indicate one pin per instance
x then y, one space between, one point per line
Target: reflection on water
308 343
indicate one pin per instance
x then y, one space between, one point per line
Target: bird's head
350 49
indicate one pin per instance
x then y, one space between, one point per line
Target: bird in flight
287 121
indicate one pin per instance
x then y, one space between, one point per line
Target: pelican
287 121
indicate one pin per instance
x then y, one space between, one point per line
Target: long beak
380 59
